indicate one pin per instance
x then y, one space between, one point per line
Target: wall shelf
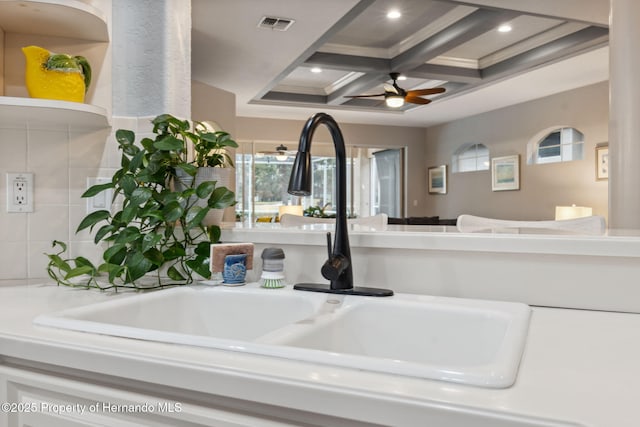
21 113
75 22
60 18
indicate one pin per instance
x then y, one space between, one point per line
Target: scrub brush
272 268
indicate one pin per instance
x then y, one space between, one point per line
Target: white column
624 115
151 58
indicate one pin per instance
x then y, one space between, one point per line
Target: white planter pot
222 176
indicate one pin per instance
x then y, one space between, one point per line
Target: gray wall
507 131
213 104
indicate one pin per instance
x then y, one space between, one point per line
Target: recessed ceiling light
394 14
504 28
316 70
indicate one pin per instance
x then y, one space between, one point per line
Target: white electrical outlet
20 192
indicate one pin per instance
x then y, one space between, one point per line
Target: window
558 144
387 173
470 157
262 179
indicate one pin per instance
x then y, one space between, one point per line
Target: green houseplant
158 231
211 157
210 148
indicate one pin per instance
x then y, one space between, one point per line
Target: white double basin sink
465 341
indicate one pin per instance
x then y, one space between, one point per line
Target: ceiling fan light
394 101
282 153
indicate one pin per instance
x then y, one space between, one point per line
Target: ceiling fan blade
416 100
421 92
390 88
364 96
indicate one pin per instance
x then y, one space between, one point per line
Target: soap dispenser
272 268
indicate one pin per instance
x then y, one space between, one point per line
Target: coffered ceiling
553 45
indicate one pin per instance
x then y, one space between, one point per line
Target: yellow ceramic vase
56 76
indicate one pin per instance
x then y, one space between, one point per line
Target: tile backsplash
61 161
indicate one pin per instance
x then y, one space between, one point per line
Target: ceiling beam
336 61
295 97
591 12
468 28
581 41
446 73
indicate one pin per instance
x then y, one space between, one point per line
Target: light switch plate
101 201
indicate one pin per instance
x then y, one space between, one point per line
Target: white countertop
578 366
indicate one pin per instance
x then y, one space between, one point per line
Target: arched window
470 157
557 144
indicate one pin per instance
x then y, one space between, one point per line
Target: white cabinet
65 26
34 398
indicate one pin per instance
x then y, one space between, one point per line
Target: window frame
569 148
482 163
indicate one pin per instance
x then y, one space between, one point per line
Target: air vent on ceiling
274 23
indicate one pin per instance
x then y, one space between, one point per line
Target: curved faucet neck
341 241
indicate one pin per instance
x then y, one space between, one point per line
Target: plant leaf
115 254
140 195
221 198
214 232
174 251
114 270
98 188
59 262
128 184
174 274
92 219
137 265
200 266
169 143
79 271
126 137
150 240
203 249
136 162
194 217
102 232
172 211
155 256
129 212
82 261
188 168
63 246
205 189
128 235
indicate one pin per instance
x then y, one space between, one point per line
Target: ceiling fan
395 96
281 152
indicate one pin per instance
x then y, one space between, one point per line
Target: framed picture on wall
438 180
602 162
505 173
